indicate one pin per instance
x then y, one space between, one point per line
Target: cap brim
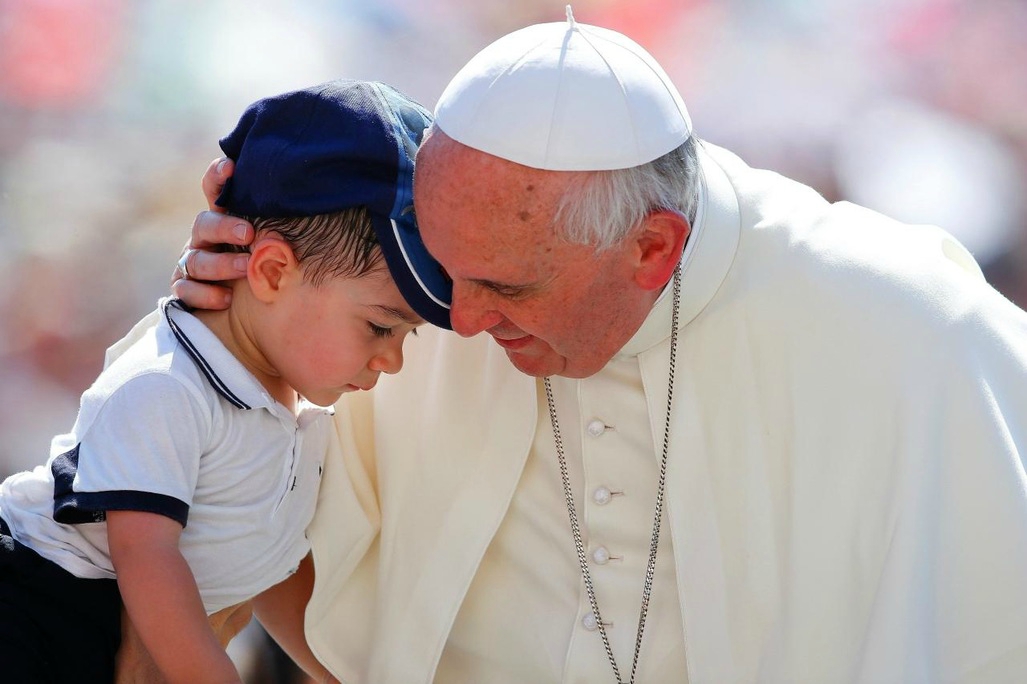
420 278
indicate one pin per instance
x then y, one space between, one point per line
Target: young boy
192 470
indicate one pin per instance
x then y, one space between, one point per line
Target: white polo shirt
177 426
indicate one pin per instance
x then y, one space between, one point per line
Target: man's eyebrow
403 314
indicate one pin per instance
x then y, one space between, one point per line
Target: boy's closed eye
380 328
381 331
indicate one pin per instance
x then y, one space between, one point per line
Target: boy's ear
272 267
659 245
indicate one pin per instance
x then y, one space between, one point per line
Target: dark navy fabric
54 627
72 508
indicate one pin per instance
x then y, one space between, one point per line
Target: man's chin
533 357
535 366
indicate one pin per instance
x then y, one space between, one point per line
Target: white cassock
846 498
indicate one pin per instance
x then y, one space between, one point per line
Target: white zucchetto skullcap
565 96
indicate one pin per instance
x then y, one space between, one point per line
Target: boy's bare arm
162 601
134 664
280 610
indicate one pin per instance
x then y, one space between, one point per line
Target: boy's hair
342 244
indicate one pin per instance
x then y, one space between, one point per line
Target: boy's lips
358 388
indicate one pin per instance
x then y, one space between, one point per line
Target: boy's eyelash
379 331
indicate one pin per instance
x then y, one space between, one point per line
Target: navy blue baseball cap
335 146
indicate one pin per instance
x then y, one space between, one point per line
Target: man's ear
272 266
659 245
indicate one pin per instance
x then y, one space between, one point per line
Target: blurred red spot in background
57 53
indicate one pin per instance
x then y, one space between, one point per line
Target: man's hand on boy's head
213 182
210 228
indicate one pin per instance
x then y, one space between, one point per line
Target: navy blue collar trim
219 386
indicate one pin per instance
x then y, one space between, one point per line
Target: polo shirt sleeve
139 449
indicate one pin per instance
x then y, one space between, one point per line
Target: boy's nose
388 361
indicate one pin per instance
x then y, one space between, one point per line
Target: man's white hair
603 206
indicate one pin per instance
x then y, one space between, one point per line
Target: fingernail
221 165
240 263
240 231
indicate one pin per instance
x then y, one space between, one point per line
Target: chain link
650 571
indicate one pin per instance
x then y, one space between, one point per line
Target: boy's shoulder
157 354
171 346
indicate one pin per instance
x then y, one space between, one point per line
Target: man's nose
470 312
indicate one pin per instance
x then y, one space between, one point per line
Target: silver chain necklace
650 569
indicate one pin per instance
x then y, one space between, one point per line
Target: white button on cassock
602 496
601 555
589 622
596 427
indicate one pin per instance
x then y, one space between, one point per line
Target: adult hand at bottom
133 664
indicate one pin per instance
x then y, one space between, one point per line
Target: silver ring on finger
183 263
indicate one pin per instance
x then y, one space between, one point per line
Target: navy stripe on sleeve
71 507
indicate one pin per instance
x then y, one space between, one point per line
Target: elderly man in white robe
720 429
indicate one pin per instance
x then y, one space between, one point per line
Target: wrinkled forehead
492 221
453 180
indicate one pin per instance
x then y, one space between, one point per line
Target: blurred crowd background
110 111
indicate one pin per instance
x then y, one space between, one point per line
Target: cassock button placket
601 496
583 560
